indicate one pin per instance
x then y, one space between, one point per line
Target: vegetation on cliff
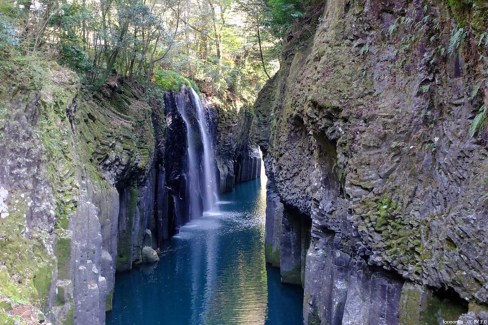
331 101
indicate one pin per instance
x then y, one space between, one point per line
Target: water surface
212 272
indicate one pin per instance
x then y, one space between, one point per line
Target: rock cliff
238 157
90 182
366 134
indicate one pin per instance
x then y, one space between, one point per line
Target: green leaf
456 39
478 122
475 90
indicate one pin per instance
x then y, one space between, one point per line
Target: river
212 272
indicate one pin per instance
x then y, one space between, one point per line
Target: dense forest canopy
224 45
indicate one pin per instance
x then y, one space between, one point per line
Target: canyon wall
367 133
238 157
91 182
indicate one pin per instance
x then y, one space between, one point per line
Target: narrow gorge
357 180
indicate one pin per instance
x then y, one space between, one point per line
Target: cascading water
193 181
210 182
202 182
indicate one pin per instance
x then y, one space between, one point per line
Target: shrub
73 56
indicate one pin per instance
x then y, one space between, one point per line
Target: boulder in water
149 255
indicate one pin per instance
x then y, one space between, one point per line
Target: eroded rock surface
90 183
365 129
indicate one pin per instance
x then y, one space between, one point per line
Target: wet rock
149 255
274 217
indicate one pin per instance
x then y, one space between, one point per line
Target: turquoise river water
212 272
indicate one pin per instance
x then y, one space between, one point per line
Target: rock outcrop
366 130
90 183
238 157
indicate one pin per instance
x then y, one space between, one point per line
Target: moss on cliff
66 137
380 84
173 81
419 305
124 251
472 13
40 90
26 267
272 255
63 254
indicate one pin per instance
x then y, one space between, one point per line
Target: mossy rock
109 301
418 305
173 81
437 310
42 283
63 254
124 250
410 302
470 12
272 256
294 276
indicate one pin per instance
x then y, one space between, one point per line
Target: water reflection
213 272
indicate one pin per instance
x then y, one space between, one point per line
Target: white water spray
210 177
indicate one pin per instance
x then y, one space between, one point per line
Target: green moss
410 302
313 317
294 276
172 80
386 207
449 244
472 13
11 291
109 132
124 248
70 318
42 283
63 254
109 301
6 319
418 305
26 271
475 308
272 256
60 296
437 310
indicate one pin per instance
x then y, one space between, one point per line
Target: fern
456 40
483 37
478 121
364 50
475 90
393 27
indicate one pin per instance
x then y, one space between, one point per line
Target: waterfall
201 176
210 181
193 176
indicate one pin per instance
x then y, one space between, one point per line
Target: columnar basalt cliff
238 157
90 183
365 130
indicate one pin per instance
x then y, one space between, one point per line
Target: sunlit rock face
365 130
